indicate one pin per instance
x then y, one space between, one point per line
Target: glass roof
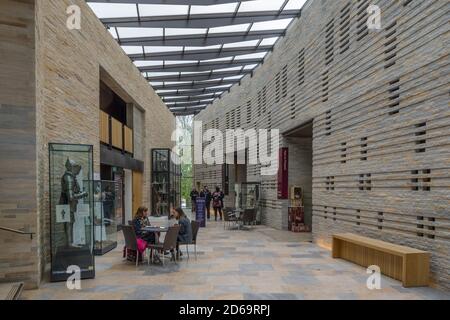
194 53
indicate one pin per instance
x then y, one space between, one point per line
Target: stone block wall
18 204
71 64
49 93
379 104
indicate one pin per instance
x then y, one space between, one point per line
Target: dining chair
169 244
254 216
247 216
130 241
229 217
195 225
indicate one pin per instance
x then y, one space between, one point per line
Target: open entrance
234 176
299 142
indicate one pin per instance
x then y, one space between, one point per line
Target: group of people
216 198
141 221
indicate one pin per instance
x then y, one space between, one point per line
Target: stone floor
261 263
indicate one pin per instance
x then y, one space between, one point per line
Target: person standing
194 195
217 202
222 197
207 195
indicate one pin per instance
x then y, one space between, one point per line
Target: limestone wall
380 108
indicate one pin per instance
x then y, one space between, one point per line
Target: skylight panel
150 10
220 8
261 5
249 43
257 55
271 25
250 67
158 74
132 49
269 41
157 49
217 46
219 59
185 31
146 63
295 4
114 10
139 32
232 28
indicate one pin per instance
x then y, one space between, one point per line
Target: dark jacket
194 195
138 224
217 199
185 234
207 195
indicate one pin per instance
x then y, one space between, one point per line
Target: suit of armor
70 194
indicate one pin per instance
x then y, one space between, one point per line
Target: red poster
283 186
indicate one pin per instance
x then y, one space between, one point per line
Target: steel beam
181 98
200 85
198 77
191 109
176 2
183 93
188 103
201 54
201 66
187 112
211 20
200 39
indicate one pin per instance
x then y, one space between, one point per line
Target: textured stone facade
18 204
381 122
58 74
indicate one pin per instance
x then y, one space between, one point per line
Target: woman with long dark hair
185 233
141 221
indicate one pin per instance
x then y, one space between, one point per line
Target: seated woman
141 221
185 233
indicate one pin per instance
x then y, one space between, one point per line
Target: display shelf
166 182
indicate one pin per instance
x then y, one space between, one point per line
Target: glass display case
166 182
248 196
105 204
71 210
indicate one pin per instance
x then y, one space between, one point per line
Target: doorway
128 195
233 176
300 144
137 191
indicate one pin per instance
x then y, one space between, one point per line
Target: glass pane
72 210
105 234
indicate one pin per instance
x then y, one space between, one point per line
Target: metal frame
210 20
201 65
199 76
177 2
195 84
195 47
200 54
208 39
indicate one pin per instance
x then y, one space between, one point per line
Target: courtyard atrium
238 150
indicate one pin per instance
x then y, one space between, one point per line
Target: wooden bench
410 266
